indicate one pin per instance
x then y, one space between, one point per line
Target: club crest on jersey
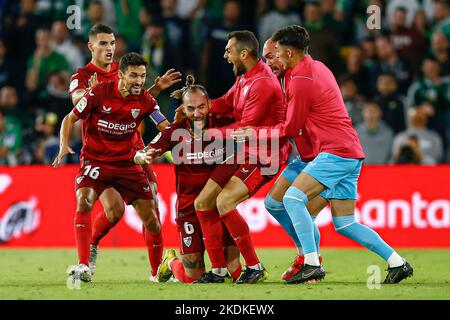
187 241
135 112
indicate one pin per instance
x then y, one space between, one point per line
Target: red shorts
223 173
129 180
250 174
191 236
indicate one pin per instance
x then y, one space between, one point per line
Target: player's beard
280 73
278 70
239 69
198 125
131 90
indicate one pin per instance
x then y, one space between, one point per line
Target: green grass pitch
122 274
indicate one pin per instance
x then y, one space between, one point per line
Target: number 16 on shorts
88 171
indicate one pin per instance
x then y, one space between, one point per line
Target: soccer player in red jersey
274 199
112 112
315 104
195 162
103 68
255 99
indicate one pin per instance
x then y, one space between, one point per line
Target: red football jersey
80 80
256 100
314 103
111 121
194 160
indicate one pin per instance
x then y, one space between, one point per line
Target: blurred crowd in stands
395 80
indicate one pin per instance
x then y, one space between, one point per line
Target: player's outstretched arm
64 138
146 155
164 82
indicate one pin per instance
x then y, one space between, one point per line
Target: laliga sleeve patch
81 104
73 85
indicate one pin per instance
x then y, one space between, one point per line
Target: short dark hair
131 59
157 21
431 58
369 102
246 40
100 28
294 36
444 2
44 28
347 77
402 9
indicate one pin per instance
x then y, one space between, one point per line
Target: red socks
154 248
237 273
83 234
213 236
101 227
240 232
178 271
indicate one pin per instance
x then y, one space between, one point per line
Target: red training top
255 99
314 102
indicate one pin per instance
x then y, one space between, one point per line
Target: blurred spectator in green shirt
442 17
433 90
10 139
127 26
43 62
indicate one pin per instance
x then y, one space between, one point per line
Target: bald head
270 56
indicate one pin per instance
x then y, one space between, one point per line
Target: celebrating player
194 166
103 68
315 104
274 199
255 99
112 112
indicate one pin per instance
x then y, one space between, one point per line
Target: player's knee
294 196
203 203
225 203
114 213
273 206
84 204
343 225
154 227
151 223
342 230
